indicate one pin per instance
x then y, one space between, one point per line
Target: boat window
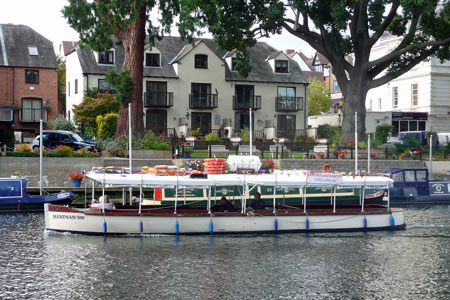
421 176
398 177
10 188
409 176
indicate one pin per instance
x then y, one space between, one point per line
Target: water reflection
411 264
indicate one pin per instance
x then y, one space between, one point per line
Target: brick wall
12 84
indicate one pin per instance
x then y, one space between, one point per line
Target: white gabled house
194 86
419 99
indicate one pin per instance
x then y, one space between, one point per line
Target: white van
443 138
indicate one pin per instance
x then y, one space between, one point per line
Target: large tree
336 29
100 23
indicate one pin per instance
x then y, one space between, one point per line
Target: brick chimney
289 51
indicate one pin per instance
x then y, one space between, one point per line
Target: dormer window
106 57
201 61
33 51
234 61
281 66
152 60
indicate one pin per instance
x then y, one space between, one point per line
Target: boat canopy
288 179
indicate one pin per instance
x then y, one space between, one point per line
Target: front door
201 121
156 120
286 125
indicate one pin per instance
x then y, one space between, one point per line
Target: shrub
63 148
212 138
106 125
390 148
382 132
61 123
22 148
362 145
22 154
298 139
332 133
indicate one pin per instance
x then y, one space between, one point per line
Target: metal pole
368 154
251 131
356 142
41 153
130 137
431 156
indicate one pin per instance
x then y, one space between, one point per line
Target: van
419 136
443 138
54 138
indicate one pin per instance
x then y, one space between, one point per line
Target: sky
45 17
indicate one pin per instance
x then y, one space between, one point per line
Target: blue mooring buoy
275 224
211 227
307 223
141 226
392 220
365 222
105 227
177 227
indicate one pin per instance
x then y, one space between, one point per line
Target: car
395 140
54 138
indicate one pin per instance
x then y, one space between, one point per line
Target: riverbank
56 170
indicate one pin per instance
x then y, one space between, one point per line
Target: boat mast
130 150
356 142
41 150
251 131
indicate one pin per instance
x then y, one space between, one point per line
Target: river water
410 264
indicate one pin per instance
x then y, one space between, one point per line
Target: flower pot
76 183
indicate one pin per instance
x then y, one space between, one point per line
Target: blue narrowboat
413 186
14 197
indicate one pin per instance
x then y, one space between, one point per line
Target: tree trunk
133 39
354 101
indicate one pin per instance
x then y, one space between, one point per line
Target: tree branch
389 58
390 76
387 21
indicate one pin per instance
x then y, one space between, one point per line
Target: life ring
326 168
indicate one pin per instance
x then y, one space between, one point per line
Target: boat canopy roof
295 178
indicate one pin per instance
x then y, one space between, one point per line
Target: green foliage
196 132
91 93
298 139
107 125
151 141
123 84
382 132
392 149
61 123
245 135
332 133
362 145
61 78
318 98
212 138
87 112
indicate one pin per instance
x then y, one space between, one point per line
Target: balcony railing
167 132
203 101
158 99
290 134
286 104
107 91
29 115
241 102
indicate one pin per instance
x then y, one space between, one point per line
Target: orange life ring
326 168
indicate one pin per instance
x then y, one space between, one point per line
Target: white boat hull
83 222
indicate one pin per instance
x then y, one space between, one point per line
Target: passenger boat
14 197
187 219
413 186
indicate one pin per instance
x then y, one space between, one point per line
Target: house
195 86
28 80
417 100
